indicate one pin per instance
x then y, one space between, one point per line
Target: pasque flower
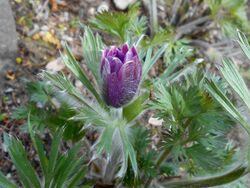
121 73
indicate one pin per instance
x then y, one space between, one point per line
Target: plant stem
153 16
162 157
160 160
216 180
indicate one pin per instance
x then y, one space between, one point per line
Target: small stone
66 16
8 175
103 7
56 103
91 11
18 101
155 121
45 28
19 60
67 38
123 4
78 84
8 90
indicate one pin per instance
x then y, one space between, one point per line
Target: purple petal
134 51
125 48
121 72
128 56
112 52
105 68
120 55
127 71
138 67
105 53
129 74
115 65
114 91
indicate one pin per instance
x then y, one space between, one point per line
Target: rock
67 38
8 40
123 4
103 7
91 11
9 90
45 28
8 35
155 121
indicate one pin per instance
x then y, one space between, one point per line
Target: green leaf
135 108
88 115
92 50
233 77
160 38
54 151
77 177
117 23
243 41
17 153
39 148
76 69
38 91
61 82
150 61
4 182
67 168
105 141
20 112
218 95
128 149
175 59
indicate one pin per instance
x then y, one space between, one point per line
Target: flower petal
129 75
105 68
134 51
128 56
115 65
112 51
114 91
121 72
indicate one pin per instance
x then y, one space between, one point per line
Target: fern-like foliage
195 126
120 24
43 111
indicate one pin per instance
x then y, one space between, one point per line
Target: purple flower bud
121 73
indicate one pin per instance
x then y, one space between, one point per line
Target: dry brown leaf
54 6
19 60
49 37
55 65
36 36
10 75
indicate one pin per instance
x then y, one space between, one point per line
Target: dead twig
176 7
192 26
